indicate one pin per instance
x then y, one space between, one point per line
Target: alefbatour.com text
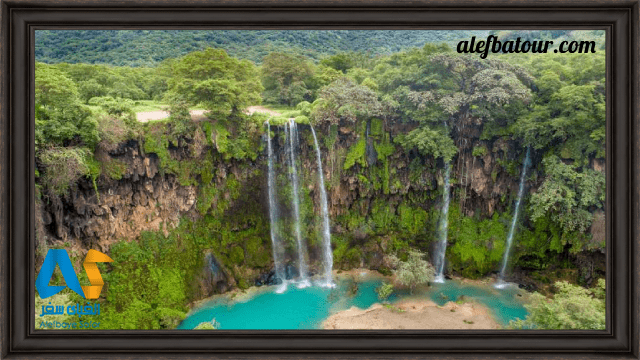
493 45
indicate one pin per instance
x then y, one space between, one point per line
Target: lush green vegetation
149 47
572 307
387 125
384 291
414 271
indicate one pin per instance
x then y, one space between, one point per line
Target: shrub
208 325
64 166
479 150
415 271
572 307
384 291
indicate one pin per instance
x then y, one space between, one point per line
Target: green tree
572 307
344 99
567 195
415 271
568 112
61 119
434 87
221 84
284 77
346 61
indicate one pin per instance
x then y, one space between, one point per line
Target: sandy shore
196 114
414 314
159 115
260 109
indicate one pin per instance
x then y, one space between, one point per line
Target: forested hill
147 48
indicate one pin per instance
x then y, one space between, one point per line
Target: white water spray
326 230
444 227
295 199
514 220
276 244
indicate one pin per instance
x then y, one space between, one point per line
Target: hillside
147 48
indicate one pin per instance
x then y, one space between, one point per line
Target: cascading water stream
444 227
441 248
278 250
326 231
295 199
514 220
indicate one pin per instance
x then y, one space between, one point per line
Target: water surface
307 308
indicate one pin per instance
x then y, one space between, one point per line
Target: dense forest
149 47
393 110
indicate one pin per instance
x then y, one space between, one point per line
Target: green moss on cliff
356 154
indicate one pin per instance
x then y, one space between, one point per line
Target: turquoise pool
504 303
307 308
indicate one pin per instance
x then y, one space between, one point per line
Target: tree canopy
285 78
221 84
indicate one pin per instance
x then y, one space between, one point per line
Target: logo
60 257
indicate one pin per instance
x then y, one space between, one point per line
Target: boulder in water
291 272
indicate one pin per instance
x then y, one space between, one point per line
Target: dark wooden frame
20 18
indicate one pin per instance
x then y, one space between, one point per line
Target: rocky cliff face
364 198
144 199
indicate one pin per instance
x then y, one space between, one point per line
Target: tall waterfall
444 227
295 200
514 220
326 231
276 244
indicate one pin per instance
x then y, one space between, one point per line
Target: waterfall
326 231
441 248
514 220
295 200
278 250
444 227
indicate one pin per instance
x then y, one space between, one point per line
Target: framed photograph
357 179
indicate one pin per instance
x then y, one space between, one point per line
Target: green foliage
208 325
63 167
116 82
61 119
148 284
429 142
568 114
383 217
432 85
114 169
384 291
301 119
572 307
180 118
189 171
479 150
538 246
412 220
284 77
414 271
345 256
221 84
114 130
356 154
567 194
478 245
236 255
377 127
345 99
151 47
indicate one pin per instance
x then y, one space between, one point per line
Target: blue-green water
503 303
307 308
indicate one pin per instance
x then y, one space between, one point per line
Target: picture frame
19 20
